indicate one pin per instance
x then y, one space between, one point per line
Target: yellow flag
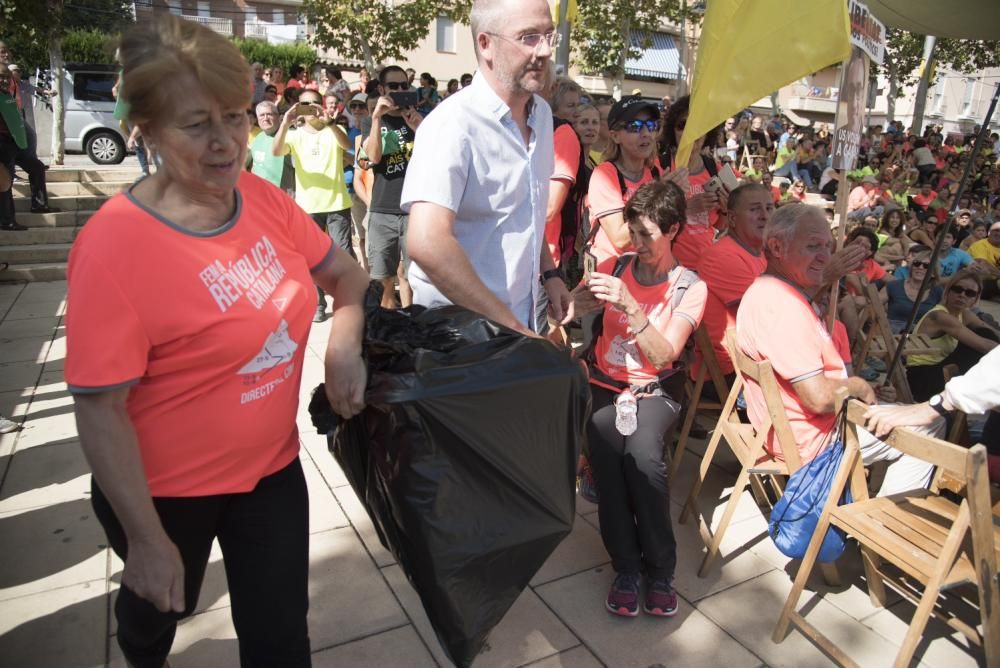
750 48
572 12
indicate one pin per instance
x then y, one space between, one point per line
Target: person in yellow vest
986 259
959 336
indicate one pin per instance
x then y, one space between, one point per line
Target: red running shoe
623 599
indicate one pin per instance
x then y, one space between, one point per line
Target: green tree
377 32
966 55
271 55
903 53
602 35
41 22
24 26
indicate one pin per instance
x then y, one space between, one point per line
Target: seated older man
730 266
776 322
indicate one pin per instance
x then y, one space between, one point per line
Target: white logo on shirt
255 275
623 353
279 348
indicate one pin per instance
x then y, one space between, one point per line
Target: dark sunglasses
395 85
635 127
681 124
968 292
357 106
920 263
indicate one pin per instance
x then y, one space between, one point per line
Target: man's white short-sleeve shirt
469 156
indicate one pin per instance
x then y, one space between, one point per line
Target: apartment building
275 20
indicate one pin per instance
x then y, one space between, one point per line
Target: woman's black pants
264 536
631 475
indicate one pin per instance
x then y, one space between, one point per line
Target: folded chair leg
759 493
692 411
781 629
876 588
917 626
831 575
727 516
706 461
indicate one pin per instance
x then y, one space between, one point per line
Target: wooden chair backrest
942 454
710 362
763 376
965 466
881 329
969 533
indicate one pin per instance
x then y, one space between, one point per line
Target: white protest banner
867 31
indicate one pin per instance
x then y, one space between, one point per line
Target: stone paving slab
689 638
58 580
396 647
734 610
64 627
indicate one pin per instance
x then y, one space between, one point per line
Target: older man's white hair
786 220
266 105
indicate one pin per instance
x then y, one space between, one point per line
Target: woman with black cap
633 125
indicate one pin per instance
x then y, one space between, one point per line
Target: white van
91 127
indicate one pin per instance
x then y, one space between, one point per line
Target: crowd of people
518 196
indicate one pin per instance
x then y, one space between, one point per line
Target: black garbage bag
465 459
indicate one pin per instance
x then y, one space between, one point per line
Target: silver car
90 124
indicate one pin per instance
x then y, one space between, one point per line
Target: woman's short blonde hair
155 53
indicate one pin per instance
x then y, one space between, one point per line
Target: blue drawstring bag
795 516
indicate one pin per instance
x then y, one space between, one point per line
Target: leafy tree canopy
377 32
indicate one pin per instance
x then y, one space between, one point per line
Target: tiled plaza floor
58 580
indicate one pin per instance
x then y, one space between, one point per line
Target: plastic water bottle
625 413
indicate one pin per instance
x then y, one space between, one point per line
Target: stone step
62 175
65 202
39 235
74 188
34 272
34 253
61 219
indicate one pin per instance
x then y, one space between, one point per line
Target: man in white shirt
978 391
478 181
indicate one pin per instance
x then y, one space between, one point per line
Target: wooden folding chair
881 342
749 446
709 370
935 544
958 431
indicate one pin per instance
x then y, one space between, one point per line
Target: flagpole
841 210
925 284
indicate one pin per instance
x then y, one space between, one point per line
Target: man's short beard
521 84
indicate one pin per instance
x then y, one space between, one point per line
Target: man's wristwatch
551 273
937 403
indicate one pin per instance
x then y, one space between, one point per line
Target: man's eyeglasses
968 292
357 106
917 264
635 127
533 40
397 85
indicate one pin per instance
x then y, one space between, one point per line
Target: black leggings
927 380
631 474
264 536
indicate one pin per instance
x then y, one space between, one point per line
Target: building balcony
274 33
816 99
221 26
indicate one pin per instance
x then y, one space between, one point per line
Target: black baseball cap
626 109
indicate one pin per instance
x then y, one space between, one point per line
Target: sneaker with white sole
661 599
623 599
7 425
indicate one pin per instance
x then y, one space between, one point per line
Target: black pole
925 284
